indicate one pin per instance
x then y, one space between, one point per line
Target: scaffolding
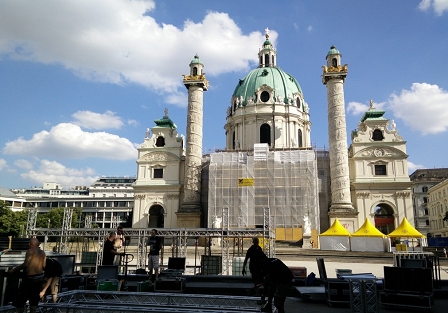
285 182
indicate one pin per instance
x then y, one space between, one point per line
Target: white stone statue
147 133
306 226
393 125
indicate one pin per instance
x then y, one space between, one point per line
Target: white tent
368 238
335 238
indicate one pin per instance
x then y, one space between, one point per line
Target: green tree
11 221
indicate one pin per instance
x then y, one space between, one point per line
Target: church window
425 189
427 222
265 134
233 140
425 200
273 60
160 142
261 60
235 105
195 71
298 102
299 137
380 169
334 62
264 96
266 60
377 135
426 211
158 173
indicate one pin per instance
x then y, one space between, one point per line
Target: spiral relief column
333 77
189 214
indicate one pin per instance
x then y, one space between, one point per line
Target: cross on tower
267 32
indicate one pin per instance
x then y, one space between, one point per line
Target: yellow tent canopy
368 230
405 229
336 230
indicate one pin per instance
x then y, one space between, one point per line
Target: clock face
379 152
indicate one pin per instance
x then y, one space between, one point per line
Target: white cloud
357 108
310 28
423 108
3 164
413 167
120 42
439 5
69 141
25 164
92 120
133 123
56 172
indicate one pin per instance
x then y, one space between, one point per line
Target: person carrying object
52 274
109 252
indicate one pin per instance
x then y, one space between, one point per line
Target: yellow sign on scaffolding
244 182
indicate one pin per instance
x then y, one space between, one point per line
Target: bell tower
333 77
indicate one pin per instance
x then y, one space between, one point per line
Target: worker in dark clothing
109 251
52 274
278 277
255 254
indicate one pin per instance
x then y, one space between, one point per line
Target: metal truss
363 296
84 301
31 223
66 225
180 237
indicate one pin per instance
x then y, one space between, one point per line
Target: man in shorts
53 272
34 264
155 245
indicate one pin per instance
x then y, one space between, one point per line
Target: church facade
268 165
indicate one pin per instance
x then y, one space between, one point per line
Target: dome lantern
267 55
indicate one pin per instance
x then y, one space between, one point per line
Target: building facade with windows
438 209
380 185
422 180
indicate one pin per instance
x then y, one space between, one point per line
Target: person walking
279 278
52 274
34 264
109 252
155 245
255 254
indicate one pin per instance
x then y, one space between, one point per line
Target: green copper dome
196 60
284 84
333 50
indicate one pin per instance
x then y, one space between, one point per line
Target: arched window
299 138
160 142
266 60
377 135
156 217
234 106
233 141
273 60
334 62
261 60
195 71
265 134
298 102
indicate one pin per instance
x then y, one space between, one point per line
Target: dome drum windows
160 141
377 135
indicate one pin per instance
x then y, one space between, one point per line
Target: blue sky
81 80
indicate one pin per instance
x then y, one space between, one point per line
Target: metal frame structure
181 236
83 301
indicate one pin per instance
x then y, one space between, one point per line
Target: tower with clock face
380 185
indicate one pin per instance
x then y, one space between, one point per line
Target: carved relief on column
193 157
340 181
